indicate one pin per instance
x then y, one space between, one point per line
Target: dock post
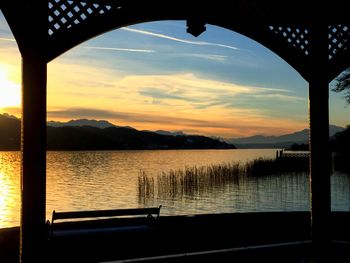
319 142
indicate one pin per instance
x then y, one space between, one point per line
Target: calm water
108 180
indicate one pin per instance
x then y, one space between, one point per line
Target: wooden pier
292 154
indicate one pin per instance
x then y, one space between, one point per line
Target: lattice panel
339 39
64 14
297 37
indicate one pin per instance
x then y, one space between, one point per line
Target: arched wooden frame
291 55
276 26
312 36
271 25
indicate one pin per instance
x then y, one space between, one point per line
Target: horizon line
171 131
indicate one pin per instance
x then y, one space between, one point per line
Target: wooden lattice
64 14
339 40
297 37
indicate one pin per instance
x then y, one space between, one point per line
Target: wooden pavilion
312 36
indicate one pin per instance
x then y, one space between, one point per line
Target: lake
110 180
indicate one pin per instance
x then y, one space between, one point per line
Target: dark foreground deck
246 237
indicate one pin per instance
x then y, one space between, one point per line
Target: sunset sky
156 76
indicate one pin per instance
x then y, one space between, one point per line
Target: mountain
175 133
85 137
120 138
283 141
92 134
82 122
333 129
9 132
102 124
340 142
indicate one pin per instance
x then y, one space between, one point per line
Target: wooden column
30 27
33 147
320 168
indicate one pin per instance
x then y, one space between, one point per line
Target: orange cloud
173 102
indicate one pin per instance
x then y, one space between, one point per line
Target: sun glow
10 92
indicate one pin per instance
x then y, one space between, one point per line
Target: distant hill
175 133
85 122
340 142
82 122
112 138
100 134
9 132
82 137
283 141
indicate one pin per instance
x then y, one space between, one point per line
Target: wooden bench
151 213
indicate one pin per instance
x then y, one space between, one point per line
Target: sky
155 76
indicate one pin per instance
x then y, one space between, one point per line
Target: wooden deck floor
243 237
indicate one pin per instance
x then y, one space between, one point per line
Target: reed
197 181
145 185
194 181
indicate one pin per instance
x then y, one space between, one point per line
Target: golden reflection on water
110 180
9 189
5 200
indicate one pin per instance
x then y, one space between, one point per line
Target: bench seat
95 222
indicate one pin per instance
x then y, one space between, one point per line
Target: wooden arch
283 28
65 34
312 36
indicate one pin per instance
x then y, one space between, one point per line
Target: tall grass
196 181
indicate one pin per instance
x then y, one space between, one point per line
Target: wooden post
319 142
33 148
32 40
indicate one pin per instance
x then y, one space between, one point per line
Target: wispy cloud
280 97
192 86
7 39
121 49
200 43
213 57
190 93
131 117
159 93
185 101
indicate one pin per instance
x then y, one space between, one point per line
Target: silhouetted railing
292 154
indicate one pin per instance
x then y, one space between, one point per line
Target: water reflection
216 190
109 180
284 192
9 189
88 181
340 192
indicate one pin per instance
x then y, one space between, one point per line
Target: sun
10 92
